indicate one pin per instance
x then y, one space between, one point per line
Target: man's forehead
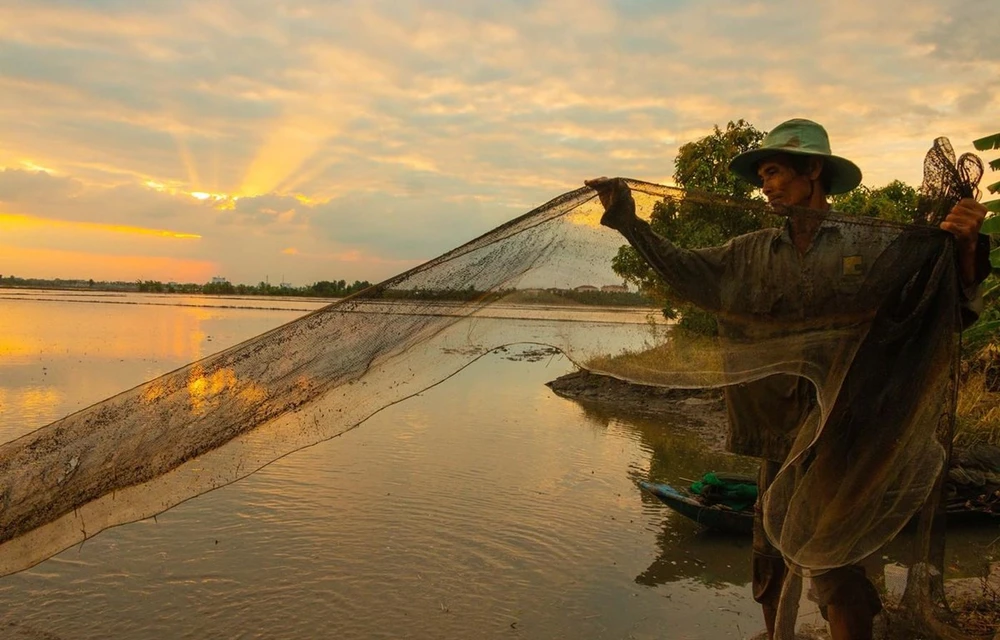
779 160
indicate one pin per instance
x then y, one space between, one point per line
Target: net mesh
877 345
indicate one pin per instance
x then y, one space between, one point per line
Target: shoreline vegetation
608 296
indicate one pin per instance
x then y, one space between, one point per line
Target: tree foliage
701 166
896 201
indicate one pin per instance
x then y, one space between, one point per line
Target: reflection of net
880 359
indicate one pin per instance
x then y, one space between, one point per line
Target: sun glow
31 166
219 198
15 221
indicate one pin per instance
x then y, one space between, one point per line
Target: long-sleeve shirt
762 274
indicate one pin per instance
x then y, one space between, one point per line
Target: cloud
372 135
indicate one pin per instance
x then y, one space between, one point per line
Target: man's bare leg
848 623
770 615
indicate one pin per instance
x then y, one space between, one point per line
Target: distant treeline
338 289
608 298
322 289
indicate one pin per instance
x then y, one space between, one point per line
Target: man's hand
604 187
616 198
964 221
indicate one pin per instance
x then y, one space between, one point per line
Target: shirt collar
825 227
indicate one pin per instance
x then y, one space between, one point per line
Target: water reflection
686 551
681 448
714 560
54 341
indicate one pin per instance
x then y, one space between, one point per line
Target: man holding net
809 267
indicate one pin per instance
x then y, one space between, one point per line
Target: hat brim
844 174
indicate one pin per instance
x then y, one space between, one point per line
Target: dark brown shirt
762 275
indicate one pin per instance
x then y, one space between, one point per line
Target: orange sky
180 142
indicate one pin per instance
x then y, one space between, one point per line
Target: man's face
782 184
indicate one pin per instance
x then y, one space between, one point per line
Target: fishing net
872 337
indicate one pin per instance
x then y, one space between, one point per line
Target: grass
685 360
977 416
978 617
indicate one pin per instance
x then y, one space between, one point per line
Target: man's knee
767 576
847 587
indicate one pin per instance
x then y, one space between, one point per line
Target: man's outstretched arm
694 275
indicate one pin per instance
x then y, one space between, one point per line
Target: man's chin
779 208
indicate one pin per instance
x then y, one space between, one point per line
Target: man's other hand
964 221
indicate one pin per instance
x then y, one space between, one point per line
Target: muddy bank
701 410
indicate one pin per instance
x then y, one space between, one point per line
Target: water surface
486 507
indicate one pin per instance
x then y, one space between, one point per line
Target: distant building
586 287
285 285
614 288
219 280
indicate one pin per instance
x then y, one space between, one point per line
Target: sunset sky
323 140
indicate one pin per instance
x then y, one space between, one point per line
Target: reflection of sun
13 346
204 389
40 400
153 392
253 394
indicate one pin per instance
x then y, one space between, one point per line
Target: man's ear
815 168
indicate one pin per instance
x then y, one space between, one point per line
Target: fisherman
799 265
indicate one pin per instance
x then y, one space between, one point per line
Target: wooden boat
723 519
717 517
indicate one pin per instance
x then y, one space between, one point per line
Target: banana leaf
987 143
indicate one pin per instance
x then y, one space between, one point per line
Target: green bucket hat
803 138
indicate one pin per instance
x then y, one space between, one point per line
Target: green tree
701 167
896 201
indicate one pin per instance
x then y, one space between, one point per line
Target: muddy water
486 507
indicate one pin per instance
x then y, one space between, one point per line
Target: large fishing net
874 336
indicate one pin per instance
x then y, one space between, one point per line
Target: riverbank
703 410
